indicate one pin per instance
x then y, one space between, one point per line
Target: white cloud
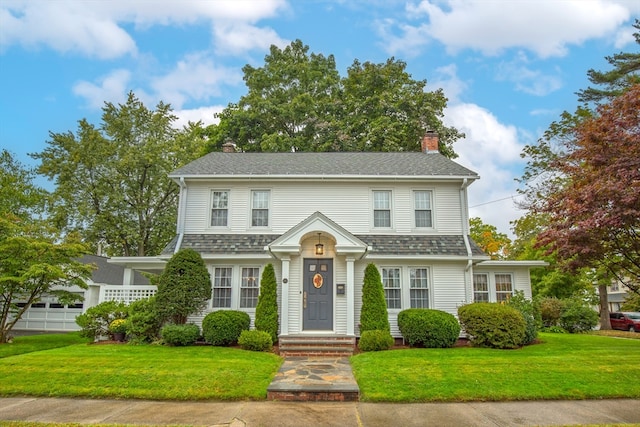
491 149
239 38
195 77
447 79
526 79
545 27
96 28
110 88
206 115
63 26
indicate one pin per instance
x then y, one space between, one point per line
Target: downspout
465 233
182 212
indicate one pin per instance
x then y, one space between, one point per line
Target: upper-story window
260 208
422 208
219 208
382 208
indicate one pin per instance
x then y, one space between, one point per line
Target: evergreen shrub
144 320
375 340
492 325
96 320
373 315
180 335
428 328
527 309
223 327
578 317
255 340
267 307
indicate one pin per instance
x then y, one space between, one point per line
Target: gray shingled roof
110 274
382 244
324 164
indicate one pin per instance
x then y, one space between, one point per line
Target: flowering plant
118 326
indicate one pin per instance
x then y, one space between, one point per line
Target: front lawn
30 343
141 372
562 366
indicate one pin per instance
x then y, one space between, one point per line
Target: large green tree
111 180
298 102
34 259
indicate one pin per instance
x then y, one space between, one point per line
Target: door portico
308 307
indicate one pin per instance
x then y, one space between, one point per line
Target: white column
127 280
284 310
350 297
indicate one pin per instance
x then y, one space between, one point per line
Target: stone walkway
314 379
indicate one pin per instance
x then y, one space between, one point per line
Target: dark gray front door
317 297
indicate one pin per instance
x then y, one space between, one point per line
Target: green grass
562 366
30 343
141 372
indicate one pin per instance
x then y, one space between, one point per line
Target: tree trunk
605 323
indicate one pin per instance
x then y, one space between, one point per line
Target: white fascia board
424 257
326 177
513 263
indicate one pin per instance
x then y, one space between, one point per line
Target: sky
509 68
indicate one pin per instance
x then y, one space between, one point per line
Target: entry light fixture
319 247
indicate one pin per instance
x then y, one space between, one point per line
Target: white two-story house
319 219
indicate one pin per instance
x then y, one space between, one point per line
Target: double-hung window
481 288
249 287
382 209
422 209
392 289
419 287
222 277
504 287
260 208
219 208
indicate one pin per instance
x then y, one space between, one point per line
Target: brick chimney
228 147
430 142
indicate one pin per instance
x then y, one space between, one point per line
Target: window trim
251 208
241 288
492 284
230 287
488 283
211 208
399 287
373 208
432 209
427 289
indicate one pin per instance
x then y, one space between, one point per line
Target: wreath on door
318 280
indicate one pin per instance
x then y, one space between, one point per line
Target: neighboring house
616 295
105 284
320 218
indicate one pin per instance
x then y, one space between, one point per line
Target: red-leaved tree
594 212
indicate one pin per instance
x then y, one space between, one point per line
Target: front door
317 297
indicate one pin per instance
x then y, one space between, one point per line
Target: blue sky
508 67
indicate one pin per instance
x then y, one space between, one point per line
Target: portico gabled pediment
291 241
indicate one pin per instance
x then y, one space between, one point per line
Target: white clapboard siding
348 204
448 287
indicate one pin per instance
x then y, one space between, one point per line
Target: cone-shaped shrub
373 315
184 287
267 308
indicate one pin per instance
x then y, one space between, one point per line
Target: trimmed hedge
179 335
375 340
255 340
492 325
373 315
223 327
429 328
267 307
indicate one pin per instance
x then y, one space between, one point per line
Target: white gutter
465 233
182 212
